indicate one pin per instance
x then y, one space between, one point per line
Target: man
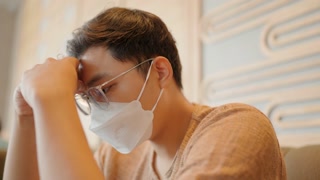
129 75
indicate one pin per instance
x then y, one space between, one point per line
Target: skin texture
59 150
173 112
47 139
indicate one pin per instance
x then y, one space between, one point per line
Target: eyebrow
96 78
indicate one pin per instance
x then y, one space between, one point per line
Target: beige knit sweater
233 141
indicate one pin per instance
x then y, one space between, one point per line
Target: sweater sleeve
234 141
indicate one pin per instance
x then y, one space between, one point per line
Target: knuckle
50 59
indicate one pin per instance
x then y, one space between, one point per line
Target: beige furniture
302 163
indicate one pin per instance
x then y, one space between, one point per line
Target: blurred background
261 52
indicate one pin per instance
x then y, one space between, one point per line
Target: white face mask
124 125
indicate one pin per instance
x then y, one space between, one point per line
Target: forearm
63 150
21 159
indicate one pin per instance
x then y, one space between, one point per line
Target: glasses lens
82 103
98 97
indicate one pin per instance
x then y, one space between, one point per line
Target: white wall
45 25
260 52
267 54
7 19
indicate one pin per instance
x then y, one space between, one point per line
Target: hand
52 80
21 107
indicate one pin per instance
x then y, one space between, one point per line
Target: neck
172 126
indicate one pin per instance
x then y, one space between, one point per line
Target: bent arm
21 159
63 151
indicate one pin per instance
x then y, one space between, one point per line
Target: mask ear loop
145 83
155 105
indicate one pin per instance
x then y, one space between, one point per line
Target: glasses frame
85 95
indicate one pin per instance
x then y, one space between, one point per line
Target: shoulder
231 113
233 126
234 135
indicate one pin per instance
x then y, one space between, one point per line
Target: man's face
98 66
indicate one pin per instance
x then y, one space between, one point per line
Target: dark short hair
130 35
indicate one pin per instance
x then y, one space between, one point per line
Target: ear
164 70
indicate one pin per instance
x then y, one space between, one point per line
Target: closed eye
106 89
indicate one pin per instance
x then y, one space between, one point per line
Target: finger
17 90
18 93
74 61
50 59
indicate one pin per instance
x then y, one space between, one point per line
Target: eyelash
106 89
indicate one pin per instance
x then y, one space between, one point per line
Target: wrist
55 97
53 104
24 121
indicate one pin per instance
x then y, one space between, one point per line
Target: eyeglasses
96 96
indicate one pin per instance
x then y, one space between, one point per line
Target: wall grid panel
285 84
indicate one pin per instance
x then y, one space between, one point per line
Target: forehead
98 62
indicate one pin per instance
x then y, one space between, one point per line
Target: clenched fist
52 80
